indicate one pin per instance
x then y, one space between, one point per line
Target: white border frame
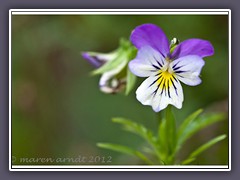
118 12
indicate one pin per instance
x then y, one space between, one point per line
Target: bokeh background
57 108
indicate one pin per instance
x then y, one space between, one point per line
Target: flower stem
159 118
170 134
166 136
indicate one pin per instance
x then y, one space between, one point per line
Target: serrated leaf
131 80
136 128
142 131
203 148
198 124
125 150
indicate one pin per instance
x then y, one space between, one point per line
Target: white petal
107 76
148 60
187 69
145 90
172 95
153 94
176 94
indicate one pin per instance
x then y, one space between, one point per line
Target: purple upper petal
197 47
150 35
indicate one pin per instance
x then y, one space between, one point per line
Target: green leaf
198 124
136 129
187 121
125 150
204 147
131 80
188 161
148 150
142 131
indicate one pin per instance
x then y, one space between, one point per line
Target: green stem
159 118
166 141
170 135
158 146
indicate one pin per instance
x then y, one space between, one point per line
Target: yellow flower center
165 80
166 75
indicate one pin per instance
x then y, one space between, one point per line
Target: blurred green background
57 108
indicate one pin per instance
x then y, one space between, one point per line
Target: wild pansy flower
112 66
108 83
166 65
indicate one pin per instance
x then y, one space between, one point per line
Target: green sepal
110 65
131 80
121 54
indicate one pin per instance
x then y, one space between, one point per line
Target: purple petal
197 47
150 35
92 59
